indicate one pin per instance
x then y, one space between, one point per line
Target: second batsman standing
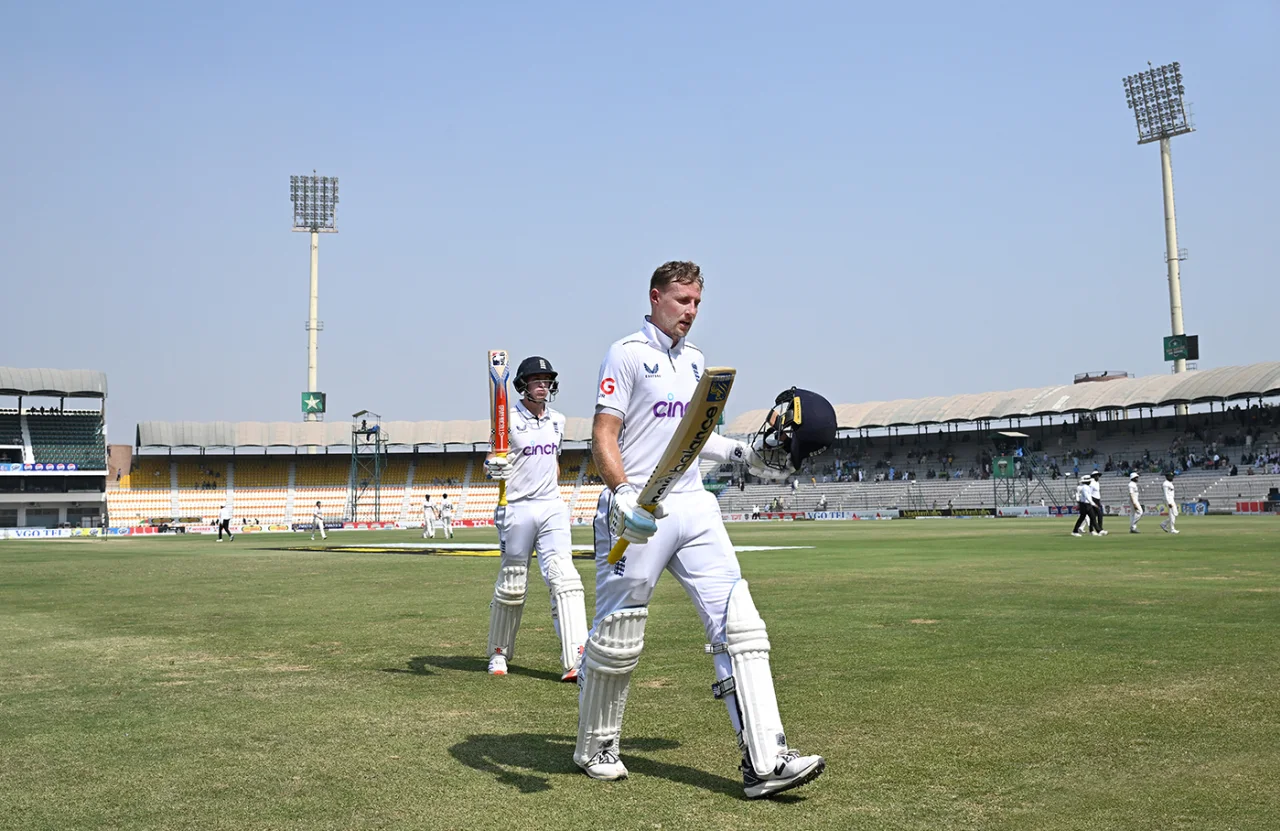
535 519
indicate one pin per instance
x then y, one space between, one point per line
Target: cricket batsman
535 518
645 382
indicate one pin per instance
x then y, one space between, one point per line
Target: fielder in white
317 522
446 517
428 518
535 519
1135 503
645 381
1172 502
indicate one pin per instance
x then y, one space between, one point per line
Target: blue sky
886 202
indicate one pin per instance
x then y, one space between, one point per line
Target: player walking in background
1084 506
645 382
446 516
428 518
1095 497
535 519
317 522
1171 501
224 523
1135 502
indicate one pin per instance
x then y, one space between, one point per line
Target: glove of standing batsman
749 454
497 468
628 520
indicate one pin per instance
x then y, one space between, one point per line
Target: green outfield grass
956 674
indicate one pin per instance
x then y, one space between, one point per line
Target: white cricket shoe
1076 534
792 771
1174 531
1095 533
498 665
1102 533
605 765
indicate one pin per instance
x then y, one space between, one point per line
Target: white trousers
1135 516
540 525
693 545
446 525
428 524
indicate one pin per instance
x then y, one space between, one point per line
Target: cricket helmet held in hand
800 424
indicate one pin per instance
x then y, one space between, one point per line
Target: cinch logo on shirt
539 450
669 409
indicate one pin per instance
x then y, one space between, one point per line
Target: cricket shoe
605 765
571 675
498 665
1134 531
1174 531
1076 534
791 771
1095 533
1102 533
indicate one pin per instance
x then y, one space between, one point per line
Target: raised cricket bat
498 438
696 426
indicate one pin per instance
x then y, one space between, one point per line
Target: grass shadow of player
421 664
520 760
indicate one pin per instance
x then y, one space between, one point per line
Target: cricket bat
698 423
498 437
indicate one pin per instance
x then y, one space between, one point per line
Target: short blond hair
676 271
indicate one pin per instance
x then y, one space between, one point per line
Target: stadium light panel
1155 96
315 200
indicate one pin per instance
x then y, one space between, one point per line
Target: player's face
538 388
675 307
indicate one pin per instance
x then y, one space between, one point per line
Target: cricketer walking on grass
535 518
645 384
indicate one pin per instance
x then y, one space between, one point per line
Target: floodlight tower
314 200
1155 96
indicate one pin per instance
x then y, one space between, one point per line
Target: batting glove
756 466
628 520
497 468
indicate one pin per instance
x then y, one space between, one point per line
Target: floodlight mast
1155 96
314 200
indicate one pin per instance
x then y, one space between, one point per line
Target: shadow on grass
519 759
421 665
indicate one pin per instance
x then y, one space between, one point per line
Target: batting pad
611 655
747 643
506 609
569 608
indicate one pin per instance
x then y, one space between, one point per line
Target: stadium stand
71 438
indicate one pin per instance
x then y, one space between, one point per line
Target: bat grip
619 548
502 486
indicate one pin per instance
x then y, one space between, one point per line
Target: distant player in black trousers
1095 492
1084 506
224 523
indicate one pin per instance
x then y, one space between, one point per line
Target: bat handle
615 553
502 487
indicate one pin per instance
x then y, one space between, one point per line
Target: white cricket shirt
226 513
1095 491
1133 492
1082 493
428 510
446 509
647 378
1168 492
535 454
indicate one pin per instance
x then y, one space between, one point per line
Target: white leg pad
506 609
568 610
751 684
611 655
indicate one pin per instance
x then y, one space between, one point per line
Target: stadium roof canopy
1226 383
323 433
57 383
